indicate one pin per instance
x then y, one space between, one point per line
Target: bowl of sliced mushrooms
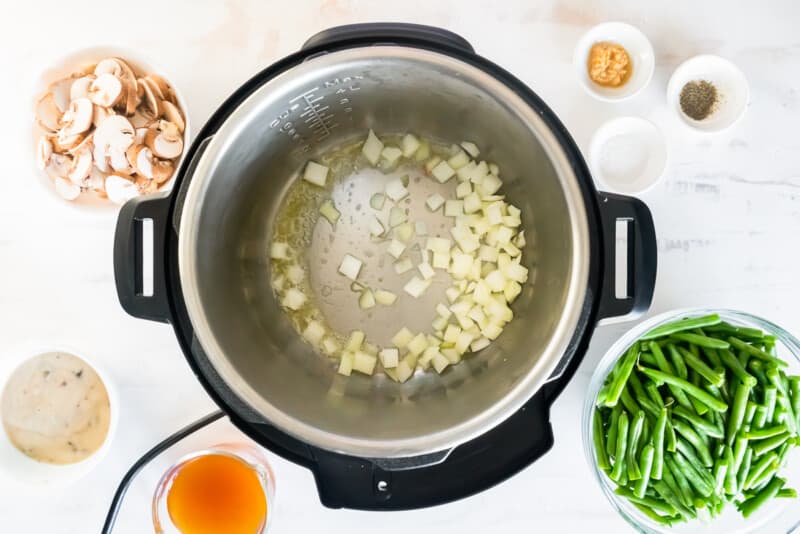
108 127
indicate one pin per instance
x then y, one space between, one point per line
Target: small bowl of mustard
614 61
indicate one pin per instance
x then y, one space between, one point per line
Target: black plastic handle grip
642 255
388 32
128 256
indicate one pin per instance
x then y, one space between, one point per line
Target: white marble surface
727 216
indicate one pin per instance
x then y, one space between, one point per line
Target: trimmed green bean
743 358
744 468
628 402
739 448
621 378
666 367
766 445
726 329
754 503
697 442
666 493
677 361
597 438
730 476
693 476
656 504
699 407
658 444
688 452
737 414
782 456
648 358
611 436
767 474
758 468
669 436
712 356
713 376
787 493
677 478
757 353
749 415
698 422
701 341
667 521
645 469
720 473
622 443
688 323
730 361
757 368
760 419
783 398
654 394
764 433
634 436
689 388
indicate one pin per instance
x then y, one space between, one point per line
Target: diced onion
432 163
396 248
391 154
402 337
440 323
366 300
417 345
463 189
451 333
314 333
294 299
295 273
346 364
443 311
403 266
472 203
404 232
385 298
494 169
426 271
416 287
389 357
471 148
376 227
459 160
452 294
329 211
372 148
330 346
395 190
438 244
442 172
397 216
434 201
364 363
454 208
355 340
512 290
420 228
350 266
424 150
496 281
441 260
410 145
315 173
440 362
377 200
479 344
279 251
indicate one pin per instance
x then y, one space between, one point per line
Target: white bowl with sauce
23 470
635 44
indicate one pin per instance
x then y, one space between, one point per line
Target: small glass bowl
777 516
251 456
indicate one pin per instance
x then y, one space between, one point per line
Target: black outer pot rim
301 453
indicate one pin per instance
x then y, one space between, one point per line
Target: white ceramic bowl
26 473
628 155
731 84
639 49
65 66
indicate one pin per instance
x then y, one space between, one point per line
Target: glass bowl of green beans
692 424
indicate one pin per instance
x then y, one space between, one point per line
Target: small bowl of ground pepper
614 61
708 93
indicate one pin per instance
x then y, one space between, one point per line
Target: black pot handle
641 256
128 257
388 32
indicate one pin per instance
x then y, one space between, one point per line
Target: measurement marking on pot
316 115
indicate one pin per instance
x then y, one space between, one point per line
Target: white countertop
727 216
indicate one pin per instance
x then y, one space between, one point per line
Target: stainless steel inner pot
226 227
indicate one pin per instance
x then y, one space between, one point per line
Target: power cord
116 502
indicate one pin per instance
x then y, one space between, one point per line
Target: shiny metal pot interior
226 226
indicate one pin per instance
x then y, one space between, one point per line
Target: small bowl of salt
628 155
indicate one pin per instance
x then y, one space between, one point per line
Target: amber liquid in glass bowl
227 488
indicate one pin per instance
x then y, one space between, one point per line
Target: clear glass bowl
779 516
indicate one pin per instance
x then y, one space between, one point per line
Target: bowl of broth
58 412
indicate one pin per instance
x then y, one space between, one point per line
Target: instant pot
371 443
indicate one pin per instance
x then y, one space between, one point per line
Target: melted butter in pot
55 409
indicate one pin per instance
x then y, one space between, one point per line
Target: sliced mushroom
138 138
142 160
162 171
146 186
60 89
139 119
165 141
96 182
81 166
115 132
80 87
86 144
173 114
118 159
128 79
120 189
105 90
47 113
151 101
58 166
44 149
100 158
78 118
108 66
63 142
99 114
66 189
